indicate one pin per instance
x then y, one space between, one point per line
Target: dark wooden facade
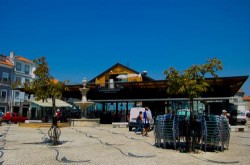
220 87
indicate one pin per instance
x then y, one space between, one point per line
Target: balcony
110 87
23 73
5 81
21 102
17 104
25 102
3 100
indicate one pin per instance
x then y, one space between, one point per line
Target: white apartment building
238 100
23 72
6 72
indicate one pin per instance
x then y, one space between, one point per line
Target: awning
48 103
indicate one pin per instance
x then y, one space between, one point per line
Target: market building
119 88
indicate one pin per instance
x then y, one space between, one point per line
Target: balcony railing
114 86
17 104
3 100
27 74
5 81
21 102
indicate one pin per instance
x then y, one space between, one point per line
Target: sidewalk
106 145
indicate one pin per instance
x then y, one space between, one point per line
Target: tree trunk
53 105
53 111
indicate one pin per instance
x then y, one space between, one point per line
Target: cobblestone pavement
106 145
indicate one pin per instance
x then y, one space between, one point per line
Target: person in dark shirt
139 122
54 120
169 115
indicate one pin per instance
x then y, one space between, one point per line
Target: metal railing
3 99
21 102
116 85
4 81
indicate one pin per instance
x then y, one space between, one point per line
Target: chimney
144 73
12 55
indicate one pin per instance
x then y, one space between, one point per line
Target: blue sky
82 38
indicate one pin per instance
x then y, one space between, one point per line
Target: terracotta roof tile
246 98
24 59
7 62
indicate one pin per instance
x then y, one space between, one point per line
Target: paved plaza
106 145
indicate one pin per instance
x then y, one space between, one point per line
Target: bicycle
54 132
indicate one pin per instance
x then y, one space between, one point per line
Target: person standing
169 115
145 122
224 116
139 122
58 114
224 113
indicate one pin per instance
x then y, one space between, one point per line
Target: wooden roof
220 87
146 78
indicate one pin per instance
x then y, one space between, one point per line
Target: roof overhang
222 87
164 99
48 103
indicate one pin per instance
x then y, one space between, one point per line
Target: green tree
192 83
45 86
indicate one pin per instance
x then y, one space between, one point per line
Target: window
17 94
2 58
27 69
18 79
2 110
18 66
5 77
26 96
3 95
27 80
